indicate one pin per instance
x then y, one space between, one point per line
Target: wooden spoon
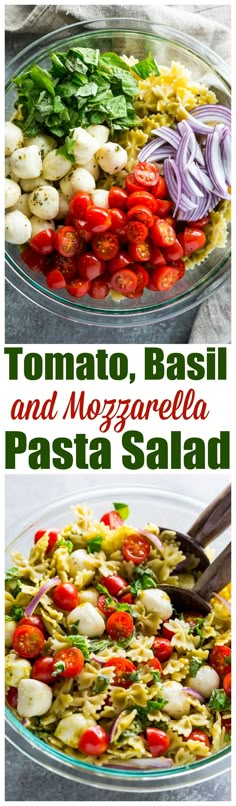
213 579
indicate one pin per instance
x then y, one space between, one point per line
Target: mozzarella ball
30 184
55 166
44 201
40 224
93 168
79 560
13 138
112 158
89 595
178 704
9 174
16 669
101 198
71 728
10 627
26 162
17 227
12 193
22 205
85 145
101 133
156 601
63 206
90 621
44 142
206 679
34 698
76 180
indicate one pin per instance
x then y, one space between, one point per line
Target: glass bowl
146 504
136 39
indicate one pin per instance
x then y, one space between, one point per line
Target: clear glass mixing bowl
146 504
136 38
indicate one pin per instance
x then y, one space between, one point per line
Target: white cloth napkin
210 25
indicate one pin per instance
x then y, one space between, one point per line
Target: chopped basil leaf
67 149
101 683
94 544
134 677
219 701
194 666
80 643
156 675
123 510
146 67
97 645
17 612
59 667
67 544
144 578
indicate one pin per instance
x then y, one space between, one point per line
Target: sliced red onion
173 180
212 112
214 163
114 726
225 147
201 176
142 764
33 604
97 659
168 135
194 693
223 601
153 538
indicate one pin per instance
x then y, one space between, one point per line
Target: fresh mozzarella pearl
30 184
12 193
22 205
90 621
76 180
112 158
85 145
9 174
16 669
206 679
101 198
63 206
101 133
156 601
79 560
55 166
26 162
10 627
44 142
71 728
34 698
44 201
40 224
17 227
178 704
93 168
13 138
89 595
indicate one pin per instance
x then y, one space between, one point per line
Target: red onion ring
194 693
33 604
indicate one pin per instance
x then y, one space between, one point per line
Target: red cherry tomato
163 207
142 214
78 288
34 621
119 625
118 219
119 262
136 549
28 641
192 239
55 279
112 519
227 684
140 251
12 697
114 584
83 230
162 234
157 257
155 664
67 241
220 659
124 281
128 598
66 265
143 279
32 259
98 289
146 174
198 736
162 648
136 231
52 538
107 610
171 221
89 267
192 617
226 722
166 276
42 670
174 251
98 219
158 741
132 185
79 204
166 631
73 661
94 741
65 596
122 667
43 242
201 222
161 190
118 198
142 197
105 246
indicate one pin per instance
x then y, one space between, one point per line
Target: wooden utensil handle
216 576
213 520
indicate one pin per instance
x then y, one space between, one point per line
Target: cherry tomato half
28 641
105 246
140 251
12 697
155 664
114 584
98 219
93 741
35 621
198 736
73 661
32 259
163 207
66 265
192 617
142 278
79 204
83 230
43 242
162 234
132 185
142 197
162 648
122 667
227 684
89 266
128 598
67 241
166 631
161 190
65 596
158 741
192 239
201 222
42 670
118 219
146 174
77 288
119 625
226 722
136 231
142 214
174 251
98 289
165 277
112 519
119 262
52 538
124 281
220 659
55 279
157 257
118 198
107 610
136 549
